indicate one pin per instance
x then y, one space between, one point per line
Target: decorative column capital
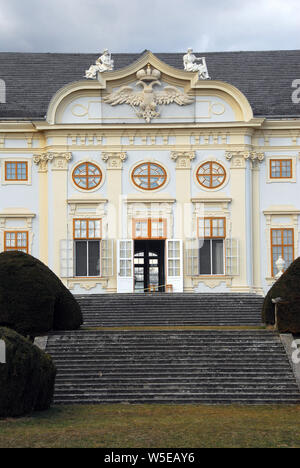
41 160
238 158
183 158
59 161
114 160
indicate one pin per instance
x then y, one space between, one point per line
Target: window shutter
174 264
192 257
232 257
107 256
66 258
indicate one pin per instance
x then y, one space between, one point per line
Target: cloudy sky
158 25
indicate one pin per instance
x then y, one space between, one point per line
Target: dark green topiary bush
26 379
288 316
288 288
33 300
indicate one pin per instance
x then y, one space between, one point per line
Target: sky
157 25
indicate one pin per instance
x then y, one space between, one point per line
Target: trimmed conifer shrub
26 379
286 287
288 316
33 300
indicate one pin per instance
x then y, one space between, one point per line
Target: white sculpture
189 60
102 64
280 264
145 102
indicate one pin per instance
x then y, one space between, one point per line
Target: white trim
291 180
16 182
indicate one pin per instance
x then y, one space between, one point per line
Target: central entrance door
149 268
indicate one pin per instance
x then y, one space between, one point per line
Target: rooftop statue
102 64
190 65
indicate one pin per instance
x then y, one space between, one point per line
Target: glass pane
125 268
157 229
81 258
97 228
275 168
21 171
11 171
141 229
287 237
94 258
276 251
286 169
288 256
205 258
217 257
276 237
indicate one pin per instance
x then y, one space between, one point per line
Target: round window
211 175
149 176
87 176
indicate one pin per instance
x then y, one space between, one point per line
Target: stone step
169 366
171 309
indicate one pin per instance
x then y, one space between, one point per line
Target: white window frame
175 280
125 283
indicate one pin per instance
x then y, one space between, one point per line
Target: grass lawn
155 426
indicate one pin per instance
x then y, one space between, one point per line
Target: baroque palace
161 172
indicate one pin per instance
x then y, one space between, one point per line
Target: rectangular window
174 258
16 240
211 231
281 168
282 245
150 228
15 170
87 238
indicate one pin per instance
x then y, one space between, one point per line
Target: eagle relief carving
145 103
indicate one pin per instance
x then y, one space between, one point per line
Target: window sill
212 281
87 282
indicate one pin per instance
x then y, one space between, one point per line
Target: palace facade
151 176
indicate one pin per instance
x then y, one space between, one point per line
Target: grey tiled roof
264 77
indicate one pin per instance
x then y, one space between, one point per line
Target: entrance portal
149 267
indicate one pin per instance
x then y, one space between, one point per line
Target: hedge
286 287
33 300
26 379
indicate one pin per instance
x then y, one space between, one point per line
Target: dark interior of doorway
149 265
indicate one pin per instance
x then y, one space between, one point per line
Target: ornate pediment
147 89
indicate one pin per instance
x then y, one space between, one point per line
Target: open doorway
149 265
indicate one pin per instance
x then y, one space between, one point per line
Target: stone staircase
204 366
158 309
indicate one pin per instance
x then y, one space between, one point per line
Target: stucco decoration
114 160
59 161
238 158
189 60
183 158
102 64
145 102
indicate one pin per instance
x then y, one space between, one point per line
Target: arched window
149 176
211 175
87 176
